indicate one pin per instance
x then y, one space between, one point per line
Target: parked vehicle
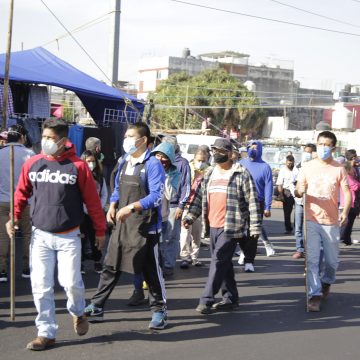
189 143
276 158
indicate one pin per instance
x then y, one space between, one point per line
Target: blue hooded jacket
261 174
153 179
181 198
172 172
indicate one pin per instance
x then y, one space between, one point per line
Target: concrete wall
314 97
304 118
190 65
345 140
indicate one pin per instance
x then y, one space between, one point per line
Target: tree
211 93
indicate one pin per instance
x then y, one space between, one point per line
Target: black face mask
220 158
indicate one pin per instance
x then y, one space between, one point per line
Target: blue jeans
264 236
45 250
299 222
326 236
170 241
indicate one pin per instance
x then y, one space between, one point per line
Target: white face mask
306 156
49 147
199 165
91 165
129 145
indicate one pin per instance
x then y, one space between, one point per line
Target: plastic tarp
39 66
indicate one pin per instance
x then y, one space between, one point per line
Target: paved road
271 322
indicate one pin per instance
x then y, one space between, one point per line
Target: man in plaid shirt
228 201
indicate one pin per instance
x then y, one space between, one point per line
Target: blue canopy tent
39 66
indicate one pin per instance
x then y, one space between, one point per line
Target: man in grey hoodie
16 137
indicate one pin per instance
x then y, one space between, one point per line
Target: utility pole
186 106
115 45
7 65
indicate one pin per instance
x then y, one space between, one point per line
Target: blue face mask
252 153
323 152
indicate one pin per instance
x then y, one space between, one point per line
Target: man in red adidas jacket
59 183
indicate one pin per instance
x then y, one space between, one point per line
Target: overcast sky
162 27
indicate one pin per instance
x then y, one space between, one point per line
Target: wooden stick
7 66
305 252
12 239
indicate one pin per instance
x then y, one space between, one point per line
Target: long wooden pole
12 239
7 66
186 106
305 252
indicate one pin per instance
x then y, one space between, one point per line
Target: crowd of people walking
159 207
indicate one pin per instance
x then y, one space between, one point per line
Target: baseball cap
222 144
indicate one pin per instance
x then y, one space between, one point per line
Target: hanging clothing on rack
10 103
20 94
32 127
39 103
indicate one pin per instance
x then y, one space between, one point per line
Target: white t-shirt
286 178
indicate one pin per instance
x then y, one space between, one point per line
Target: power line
314 13
127 100
265 18
199 97
81 27
77 42
244 106
254 92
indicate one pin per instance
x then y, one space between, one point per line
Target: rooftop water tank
342 118
250 85
185 53
322 126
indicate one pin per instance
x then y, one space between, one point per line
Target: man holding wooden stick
16 137
321 180
59 183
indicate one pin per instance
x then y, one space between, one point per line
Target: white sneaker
241 258
269 250
249 268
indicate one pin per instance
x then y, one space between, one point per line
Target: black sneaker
3 276
168 272
94 313
197 263
26 273
137 298
223 305
184 264
325 290
204 309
